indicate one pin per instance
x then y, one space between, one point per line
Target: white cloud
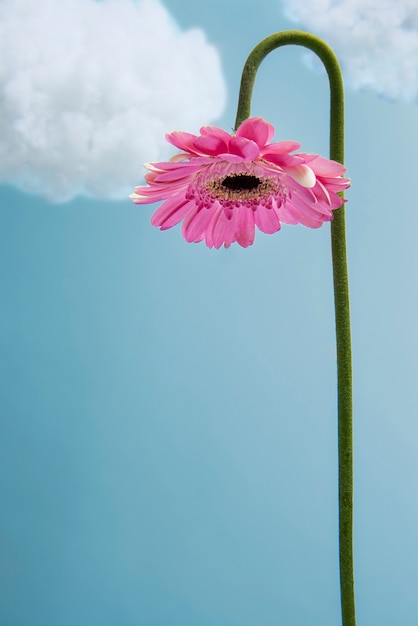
88 90
376 41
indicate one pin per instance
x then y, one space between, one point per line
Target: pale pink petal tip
303 175
152 168
222 186
135 196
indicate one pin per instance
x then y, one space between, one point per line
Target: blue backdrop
168 447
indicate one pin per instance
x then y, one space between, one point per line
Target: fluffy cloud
88 89
376 40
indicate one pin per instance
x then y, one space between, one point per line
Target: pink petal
288 160
305 212
180 156
198 224
281 147
334 201
334 184
246 228
171 212
256 129
145 195
182 140
267 220
312 199
299 215
321 193
175 175
187 221
216 213
210 145
231 158
239 228
307 158
286 216
214 131
326 167
244 148
142 196
222 229
166 166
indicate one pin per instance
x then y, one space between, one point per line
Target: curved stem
341 291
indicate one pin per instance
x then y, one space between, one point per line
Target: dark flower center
241 182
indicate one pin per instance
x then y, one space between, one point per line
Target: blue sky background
168 444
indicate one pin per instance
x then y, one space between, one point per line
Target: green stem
341 291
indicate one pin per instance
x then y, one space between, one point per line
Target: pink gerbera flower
223 185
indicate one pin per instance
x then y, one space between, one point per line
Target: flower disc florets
223 185
234 184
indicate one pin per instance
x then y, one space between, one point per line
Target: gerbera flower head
222 186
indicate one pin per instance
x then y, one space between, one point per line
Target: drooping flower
223 185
